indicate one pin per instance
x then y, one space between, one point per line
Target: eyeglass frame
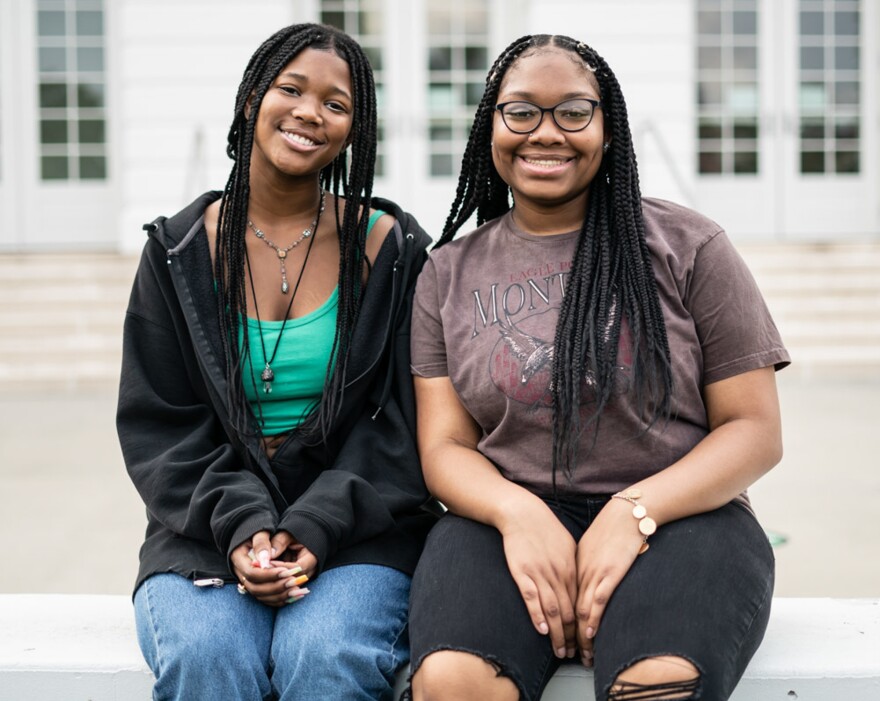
597 104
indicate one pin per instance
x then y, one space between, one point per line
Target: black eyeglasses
570 115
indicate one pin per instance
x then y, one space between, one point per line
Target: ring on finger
241 589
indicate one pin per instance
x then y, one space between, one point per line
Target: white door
784 142
54 134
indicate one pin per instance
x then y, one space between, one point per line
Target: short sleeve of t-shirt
734 326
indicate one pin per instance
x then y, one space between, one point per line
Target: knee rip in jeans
500 672
661 678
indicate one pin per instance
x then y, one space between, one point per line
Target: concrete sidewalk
71 521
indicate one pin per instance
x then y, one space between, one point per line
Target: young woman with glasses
595 390
266 410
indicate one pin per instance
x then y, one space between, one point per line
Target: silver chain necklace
282 252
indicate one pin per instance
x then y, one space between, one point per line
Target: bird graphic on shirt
533 353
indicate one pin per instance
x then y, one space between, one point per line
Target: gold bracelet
647 525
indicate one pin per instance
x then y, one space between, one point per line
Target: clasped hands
566 585
273 568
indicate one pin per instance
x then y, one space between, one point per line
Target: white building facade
764 114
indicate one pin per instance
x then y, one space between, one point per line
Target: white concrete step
61 316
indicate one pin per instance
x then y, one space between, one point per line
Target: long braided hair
611 275
353 181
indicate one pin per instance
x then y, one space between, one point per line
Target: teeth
546 163
300 139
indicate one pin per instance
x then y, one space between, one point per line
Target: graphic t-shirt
485 314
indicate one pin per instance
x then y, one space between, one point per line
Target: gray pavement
72 522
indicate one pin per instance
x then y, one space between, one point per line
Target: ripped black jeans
702 592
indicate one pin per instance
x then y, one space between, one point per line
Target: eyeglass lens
571 115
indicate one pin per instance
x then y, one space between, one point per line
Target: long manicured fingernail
297 597
289 572
263 557
543 628
590 632
302 579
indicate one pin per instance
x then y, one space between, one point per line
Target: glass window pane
334 19
53 59
812 97
742 98
92 167
745 22
369 22
380 98
745 162
375 57
440 96
709 57
846 93
53 131
53 95
440 131
812 23
440 58
53 167
90 59
476 58
51 23
846 58
812 58
847 128
441 164
91 131
846 161
745 129
709 129
709 93
474 93
709 22
90 94
812 162
90 23
846 23
745 57
710 162
813 128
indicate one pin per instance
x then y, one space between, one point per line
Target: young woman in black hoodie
266 410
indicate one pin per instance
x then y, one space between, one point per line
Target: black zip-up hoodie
358 498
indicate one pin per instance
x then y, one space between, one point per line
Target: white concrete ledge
83 648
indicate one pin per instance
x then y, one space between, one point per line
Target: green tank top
300 364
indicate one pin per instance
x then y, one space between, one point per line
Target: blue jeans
344 640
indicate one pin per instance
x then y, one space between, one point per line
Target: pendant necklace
268 375
282 252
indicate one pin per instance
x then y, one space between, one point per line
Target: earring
606 146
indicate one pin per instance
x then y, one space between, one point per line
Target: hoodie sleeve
376 478
177 453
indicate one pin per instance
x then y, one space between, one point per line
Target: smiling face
305 117
549 167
